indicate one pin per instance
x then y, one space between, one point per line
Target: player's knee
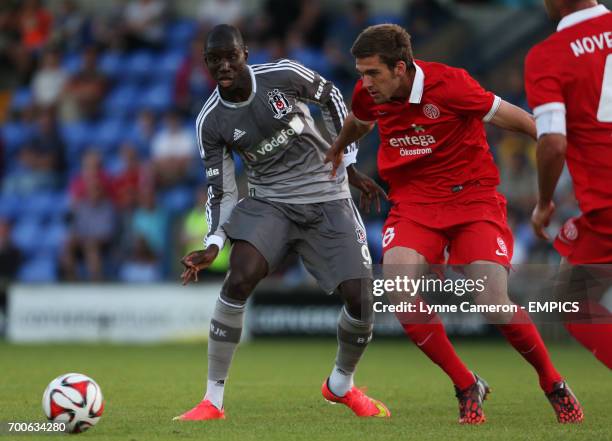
357 298
239 285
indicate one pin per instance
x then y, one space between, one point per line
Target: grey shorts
329 236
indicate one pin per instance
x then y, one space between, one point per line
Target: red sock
596 337
522 334
427 332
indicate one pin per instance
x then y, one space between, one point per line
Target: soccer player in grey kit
294 204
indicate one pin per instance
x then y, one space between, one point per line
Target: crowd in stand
99 173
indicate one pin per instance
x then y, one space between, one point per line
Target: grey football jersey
274 134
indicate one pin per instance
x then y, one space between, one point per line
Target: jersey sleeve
465 96
360 105
544 92
221 181
312 87
542 84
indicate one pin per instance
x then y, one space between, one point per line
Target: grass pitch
274 392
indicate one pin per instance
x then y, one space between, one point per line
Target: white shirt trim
550 118
416 94
583 15
215 240
494 108
243 103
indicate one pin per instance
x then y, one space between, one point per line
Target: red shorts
586 239
468 230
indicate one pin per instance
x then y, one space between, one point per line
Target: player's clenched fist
540 219
196 261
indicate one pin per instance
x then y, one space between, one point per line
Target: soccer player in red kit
442 183
568 79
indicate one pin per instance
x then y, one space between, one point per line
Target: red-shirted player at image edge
568 80
442 181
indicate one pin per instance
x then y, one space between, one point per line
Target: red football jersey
433 142
572 70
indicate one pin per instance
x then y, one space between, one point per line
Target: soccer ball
73 399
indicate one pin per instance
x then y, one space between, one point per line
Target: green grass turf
273 392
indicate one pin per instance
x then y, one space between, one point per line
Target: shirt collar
243 103
418 85
579 16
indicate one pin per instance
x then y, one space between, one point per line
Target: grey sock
353 338
225 331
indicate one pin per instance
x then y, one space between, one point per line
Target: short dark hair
225 33
390 42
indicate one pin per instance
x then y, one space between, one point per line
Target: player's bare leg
592 326
355 325
247 268
522 334
428 333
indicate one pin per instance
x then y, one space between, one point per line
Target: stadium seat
111 63
52 241
78 136
14 136
177 200
72 63
21 98
168 64
26 235
138 66
159 97
38 270
179 33
39 207
122 100
109 133
386 18
10 206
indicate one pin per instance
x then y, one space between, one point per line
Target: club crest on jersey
279 103
361 234
570 231
431 111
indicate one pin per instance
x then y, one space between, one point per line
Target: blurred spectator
172 151
193 83
423 17
91 165
14 57
40 163
277 19
72 28
312 24
518 183
141 266
338 46
10 257
151 221
144 131
214 12
144 24
35 24
93 228
130 179
193 230
49 81
85 90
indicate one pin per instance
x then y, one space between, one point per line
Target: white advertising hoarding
109 313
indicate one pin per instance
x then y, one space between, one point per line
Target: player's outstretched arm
370 190
550 157
511 117
352 130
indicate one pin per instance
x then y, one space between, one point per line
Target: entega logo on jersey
278 140
279 103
